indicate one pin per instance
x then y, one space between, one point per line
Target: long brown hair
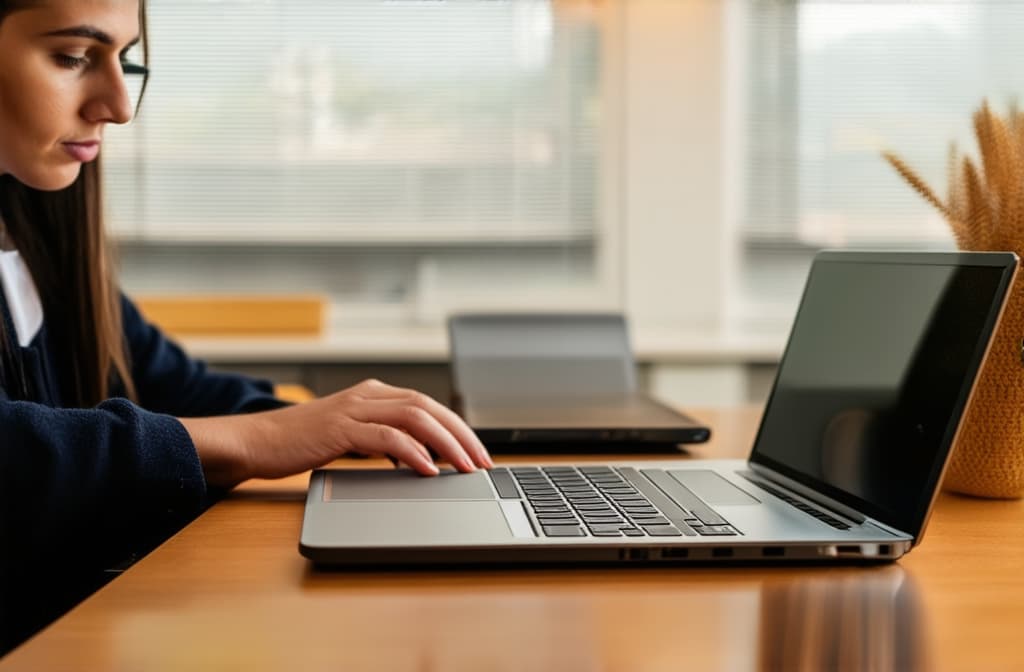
61 237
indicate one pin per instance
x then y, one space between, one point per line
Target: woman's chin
53 179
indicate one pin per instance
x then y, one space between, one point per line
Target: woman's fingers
426 429
466 440
423 419
466 437
373 395
378 439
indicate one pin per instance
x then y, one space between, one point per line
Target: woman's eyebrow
89 32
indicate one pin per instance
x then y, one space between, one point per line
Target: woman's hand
370 418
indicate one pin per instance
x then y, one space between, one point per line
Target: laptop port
638 554
773 551
884 549
848 550
675 552
722 552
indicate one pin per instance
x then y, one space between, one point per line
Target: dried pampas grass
984 205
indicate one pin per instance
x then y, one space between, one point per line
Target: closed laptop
559 380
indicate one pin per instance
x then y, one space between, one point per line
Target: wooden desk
231 592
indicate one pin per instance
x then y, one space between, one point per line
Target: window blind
363 121
832 84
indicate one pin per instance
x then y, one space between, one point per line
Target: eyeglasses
135 78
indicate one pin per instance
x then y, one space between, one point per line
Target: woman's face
61 84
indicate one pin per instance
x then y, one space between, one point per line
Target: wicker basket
988 458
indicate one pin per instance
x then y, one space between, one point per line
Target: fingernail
433 468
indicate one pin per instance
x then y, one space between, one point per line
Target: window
831 84
385 151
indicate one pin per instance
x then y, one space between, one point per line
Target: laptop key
504 484
602 518
563 531
650 510
653 520
631 500
604 527
633 532
715 531
662 531
606 521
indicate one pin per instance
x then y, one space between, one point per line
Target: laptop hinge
786 483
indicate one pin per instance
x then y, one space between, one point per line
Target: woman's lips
82 151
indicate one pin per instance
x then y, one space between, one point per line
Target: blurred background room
679 161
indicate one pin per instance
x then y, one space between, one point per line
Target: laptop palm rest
711 487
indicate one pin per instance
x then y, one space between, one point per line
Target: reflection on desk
871 620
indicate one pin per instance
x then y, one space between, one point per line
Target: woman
110 436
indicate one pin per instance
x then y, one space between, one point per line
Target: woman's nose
109 100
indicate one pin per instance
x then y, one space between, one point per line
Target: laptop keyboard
602 501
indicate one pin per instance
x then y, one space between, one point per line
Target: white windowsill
419 344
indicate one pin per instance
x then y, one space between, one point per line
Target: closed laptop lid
501 356
878 370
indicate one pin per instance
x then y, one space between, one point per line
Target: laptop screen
877 371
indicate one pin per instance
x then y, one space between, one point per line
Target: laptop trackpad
415 523
399 507
404 484
711 487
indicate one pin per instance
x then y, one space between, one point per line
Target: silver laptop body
865 408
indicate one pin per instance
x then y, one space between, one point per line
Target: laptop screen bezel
913 522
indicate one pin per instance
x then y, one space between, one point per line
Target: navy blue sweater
82 490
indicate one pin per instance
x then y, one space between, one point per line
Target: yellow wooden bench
234 316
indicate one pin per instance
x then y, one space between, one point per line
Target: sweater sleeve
106 468
167 380
80 491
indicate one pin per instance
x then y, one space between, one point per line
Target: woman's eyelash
71 62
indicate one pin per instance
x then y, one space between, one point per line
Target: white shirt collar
22 297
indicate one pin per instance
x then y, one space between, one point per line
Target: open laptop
567 381
866 405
